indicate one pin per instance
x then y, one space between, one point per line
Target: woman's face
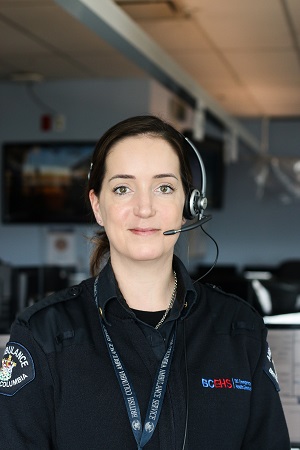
141 197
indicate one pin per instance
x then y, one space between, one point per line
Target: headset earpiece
190 205
194 205
186 209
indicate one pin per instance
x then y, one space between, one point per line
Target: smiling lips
144 231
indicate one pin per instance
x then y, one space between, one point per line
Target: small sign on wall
61 249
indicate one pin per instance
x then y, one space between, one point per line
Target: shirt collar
186 293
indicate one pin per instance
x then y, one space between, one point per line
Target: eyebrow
132 177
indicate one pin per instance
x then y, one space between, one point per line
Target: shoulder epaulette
52 299
235 314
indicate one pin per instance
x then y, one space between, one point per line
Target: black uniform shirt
58 389
158 339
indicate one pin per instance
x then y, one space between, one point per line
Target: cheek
114 214
174 214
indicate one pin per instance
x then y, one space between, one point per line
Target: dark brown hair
134 126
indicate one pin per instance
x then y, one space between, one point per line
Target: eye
121 190
166 189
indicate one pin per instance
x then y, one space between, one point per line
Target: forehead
145 150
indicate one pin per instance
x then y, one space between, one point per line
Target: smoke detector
26 77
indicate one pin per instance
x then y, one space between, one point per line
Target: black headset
196 200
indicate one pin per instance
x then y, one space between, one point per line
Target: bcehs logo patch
218 383
17 369
227 383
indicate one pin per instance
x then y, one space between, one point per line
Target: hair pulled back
134 126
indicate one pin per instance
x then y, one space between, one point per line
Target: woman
139 356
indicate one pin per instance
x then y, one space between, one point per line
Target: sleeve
26 394
267 426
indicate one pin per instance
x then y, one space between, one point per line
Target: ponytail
101 248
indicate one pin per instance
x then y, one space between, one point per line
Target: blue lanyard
142 435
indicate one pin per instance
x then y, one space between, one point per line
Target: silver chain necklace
170 304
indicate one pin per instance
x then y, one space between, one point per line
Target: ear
183 221
95 206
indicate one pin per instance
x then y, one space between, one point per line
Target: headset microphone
195 202
189 227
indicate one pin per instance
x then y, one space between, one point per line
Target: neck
145 285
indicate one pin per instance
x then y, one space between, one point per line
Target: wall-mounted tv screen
45 182
211 150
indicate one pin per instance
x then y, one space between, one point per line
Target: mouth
144 231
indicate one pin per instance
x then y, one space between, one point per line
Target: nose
144 206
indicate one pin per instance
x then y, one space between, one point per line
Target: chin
150 254
145 256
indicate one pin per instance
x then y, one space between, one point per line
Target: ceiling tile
108 65
14 42
229 7
238 100
283 101
188 35
265 67
294 12
53 26
24 3
243 25
282 93
203 66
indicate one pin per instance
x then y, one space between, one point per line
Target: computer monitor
284 340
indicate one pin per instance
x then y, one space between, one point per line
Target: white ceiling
244 53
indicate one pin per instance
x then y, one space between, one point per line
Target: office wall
89 107
258 227
249 229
